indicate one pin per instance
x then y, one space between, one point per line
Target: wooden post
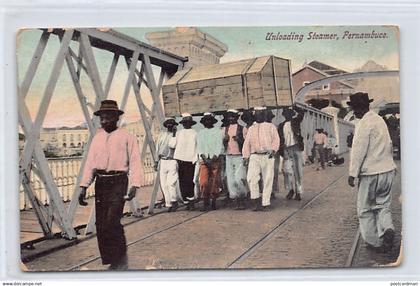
275 80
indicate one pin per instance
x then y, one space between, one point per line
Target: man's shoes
388 239
298 197
206 205
377 249
213 204
265 208
240 204
257 205
191 206
290 195
273 196
122 264
173 207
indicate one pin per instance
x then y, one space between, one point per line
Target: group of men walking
247 156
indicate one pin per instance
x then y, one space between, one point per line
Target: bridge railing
65 171
315 118
344 130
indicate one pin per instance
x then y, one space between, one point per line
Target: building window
326 87
64 137
79 137
305 83
71 137
64 145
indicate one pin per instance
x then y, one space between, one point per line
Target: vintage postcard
209 148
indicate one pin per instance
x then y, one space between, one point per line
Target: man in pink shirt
261 143
233 141
114 163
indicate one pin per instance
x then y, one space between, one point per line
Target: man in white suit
372 162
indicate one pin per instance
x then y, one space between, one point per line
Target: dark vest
295 125
239 136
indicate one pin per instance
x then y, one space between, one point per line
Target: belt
108 174
167 158
261 153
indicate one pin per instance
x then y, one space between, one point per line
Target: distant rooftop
78 127
326 68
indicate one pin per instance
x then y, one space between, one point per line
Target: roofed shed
262 81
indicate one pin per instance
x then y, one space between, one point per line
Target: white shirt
162 145
371 152
289 138
185 145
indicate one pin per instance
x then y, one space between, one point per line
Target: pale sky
243 42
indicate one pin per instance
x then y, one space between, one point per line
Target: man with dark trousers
114 163
186 156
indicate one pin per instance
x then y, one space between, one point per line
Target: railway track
354 250
86 262
277 227
256 245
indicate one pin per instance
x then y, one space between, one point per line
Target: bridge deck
318 231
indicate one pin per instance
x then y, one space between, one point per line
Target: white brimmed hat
186 117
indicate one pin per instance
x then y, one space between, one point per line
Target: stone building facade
200 48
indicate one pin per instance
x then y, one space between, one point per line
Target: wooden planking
207 72
216 91
210 82
258 64
227 91
268 84
175 78
196 105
